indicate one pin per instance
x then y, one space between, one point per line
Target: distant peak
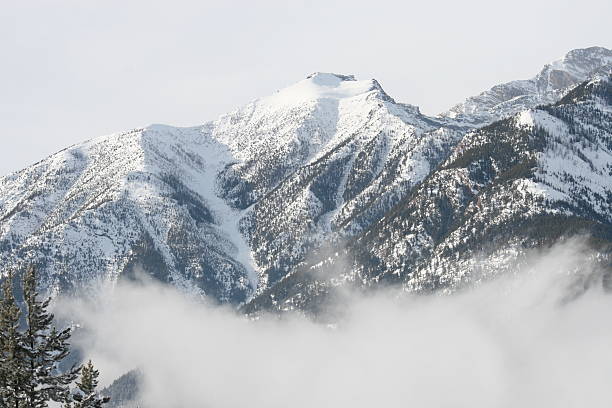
555 79
580 62
589 52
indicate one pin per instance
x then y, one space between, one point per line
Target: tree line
32 350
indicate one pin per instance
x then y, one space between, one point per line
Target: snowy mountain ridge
174 196
524 182
235 208
549 85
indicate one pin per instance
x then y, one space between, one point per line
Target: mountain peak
329 78
322 85
245 205
548 86
575 66
594 56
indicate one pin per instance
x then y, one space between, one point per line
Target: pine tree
44 348
30 375
87 396
12 368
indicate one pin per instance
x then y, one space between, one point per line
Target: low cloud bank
542 337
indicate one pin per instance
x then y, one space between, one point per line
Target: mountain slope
142 198
206 207
124 391
519 183
238 208
374 152
511 181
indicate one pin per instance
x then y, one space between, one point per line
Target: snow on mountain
144 197
318 86
522 182
551 83
273 136
345 153
207 207
235 208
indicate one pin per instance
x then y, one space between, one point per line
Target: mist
539 336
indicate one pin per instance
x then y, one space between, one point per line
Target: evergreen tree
87 396
12 368
44 348
31 350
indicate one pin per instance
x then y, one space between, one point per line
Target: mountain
523 182
206 208
356 155
330 171
528 179
549 85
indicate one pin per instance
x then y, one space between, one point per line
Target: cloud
527 339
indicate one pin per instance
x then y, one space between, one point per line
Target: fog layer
541 337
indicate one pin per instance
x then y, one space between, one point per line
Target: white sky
75 69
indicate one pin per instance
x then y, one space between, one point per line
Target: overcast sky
75 69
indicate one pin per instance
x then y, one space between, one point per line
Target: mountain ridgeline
327 182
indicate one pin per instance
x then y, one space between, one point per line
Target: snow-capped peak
581 62
321 85
233 207
575 66
549 85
